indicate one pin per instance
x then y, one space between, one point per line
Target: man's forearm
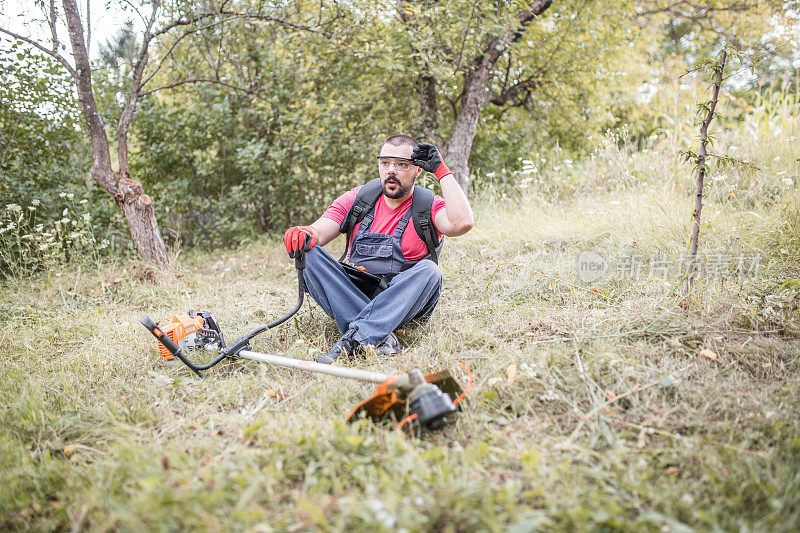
456 204
327 230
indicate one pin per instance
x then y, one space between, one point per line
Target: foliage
41 149
227 163
295 107
614 420
27 247
43 154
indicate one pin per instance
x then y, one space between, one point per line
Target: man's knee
315 256
429 270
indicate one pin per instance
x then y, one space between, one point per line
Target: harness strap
421 206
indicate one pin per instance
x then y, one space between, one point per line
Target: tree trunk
702 169
466 123
127 193
474 96
141 218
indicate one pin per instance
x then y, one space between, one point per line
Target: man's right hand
295 238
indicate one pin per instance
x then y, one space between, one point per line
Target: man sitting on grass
390 276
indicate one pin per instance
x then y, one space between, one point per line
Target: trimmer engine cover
182 330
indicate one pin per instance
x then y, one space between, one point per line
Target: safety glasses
400 163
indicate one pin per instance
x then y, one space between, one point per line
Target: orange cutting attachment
388 402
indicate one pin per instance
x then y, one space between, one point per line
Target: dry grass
614 419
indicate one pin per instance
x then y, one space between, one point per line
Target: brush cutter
426 398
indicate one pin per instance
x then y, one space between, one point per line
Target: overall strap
401 226
365 200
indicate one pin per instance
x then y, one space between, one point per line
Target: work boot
390 346
344 347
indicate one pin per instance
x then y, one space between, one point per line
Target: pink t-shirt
386 220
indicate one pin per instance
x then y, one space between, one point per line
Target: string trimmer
426 398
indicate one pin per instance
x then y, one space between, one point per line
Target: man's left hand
427 157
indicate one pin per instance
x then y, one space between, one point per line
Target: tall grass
594 406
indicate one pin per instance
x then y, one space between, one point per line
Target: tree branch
195 80
52 23
126 117
58 57
88 27
510 94
177 41
499 44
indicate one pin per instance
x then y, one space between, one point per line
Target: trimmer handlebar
243 342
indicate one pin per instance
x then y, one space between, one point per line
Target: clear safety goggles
400 163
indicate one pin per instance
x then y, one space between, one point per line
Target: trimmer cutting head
430 397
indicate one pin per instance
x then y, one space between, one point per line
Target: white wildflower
64 220
13 208
86 217
787 181
62 194
83 201
35 202
70 196
31 208
64 212
44 246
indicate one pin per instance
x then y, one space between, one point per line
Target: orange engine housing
183 328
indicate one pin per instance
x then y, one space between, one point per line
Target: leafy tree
41 149
460 58
160 23
286 121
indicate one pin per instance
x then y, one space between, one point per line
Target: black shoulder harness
421 206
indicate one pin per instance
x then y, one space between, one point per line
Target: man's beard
399 192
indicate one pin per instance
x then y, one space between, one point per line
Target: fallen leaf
270 394
705 352
672 470
492 382
69 450
511 372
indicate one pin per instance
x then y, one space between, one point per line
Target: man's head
397 171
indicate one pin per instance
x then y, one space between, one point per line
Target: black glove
426 157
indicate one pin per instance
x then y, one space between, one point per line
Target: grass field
614 405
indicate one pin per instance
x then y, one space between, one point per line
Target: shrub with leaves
27 247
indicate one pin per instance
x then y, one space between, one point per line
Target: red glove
295 237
